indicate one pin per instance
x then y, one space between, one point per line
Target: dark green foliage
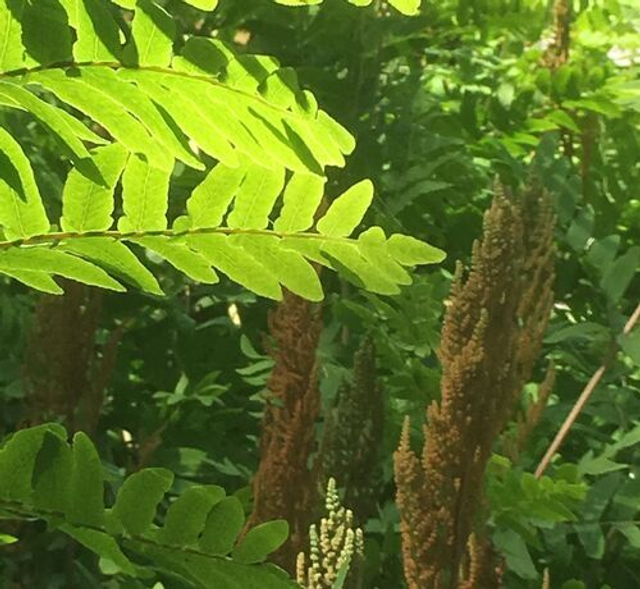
44 477
440 103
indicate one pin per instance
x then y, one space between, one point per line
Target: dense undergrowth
297 387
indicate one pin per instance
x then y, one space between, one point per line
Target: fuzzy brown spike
353 436
284 487
526 422
557 53
491 337
64 373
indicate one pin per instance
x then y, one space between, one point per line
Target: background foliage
440 104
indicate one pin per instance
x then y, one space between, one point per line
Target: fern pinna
147 109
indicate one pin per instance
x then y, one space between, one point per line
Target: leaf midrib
157 69
56 237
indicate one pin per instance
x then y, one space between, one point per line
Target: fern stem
114 65
21 511
58 236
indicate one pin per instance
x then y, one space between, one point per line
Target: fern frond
404 6
226 228
153 101
43 476
252 216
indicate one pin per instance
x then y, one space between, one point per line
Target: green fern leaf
145 197
138 499
22 213
207 573
361 271
97 32
195 118
236 264
102 544
52 474
58 122
46 35
86 484
180 257
203 4
203 56
101 106
245 111
187 515
406 6
41 281
224 524
42 476
289 267
281 88
132 99
211 199
11 50
410 251
17 458
347 211
115 257
302 198
374 247
261 541
248 72
60 263
256 198
152 35
88 205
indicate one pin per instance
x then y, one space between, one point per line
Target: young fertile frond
43 476
336 545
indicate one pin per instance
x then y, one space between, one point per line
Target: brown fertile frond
64 375
557 53
353 435
417 520
538 277
491 337
515 443
284 486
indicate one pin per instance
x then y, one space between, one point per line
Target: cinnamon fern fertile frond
491 338
260 140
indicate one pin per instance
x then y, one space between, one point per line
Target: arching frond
43 476
124 109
